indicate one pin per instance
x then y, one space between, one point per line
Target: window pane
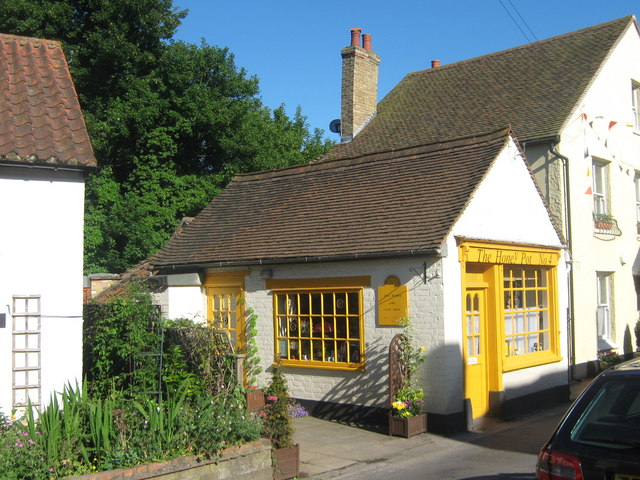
306 349
543 318
508 324
354 327
353 304
342 351
341 303
530 299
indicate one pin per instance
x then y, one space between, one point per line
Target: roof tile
40 116
378 204
525 87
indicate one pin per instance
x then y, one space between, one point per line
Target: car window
612 417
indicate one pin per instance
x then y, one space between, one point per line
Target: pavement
329 449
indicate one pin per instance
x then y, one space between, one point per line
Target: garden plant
128 411
409 397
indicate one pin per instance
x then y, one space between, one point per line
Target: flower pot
255 400
286 462
407 427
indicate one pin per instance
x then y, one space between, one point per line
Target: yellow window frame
319 323
511 359
225 306
497 257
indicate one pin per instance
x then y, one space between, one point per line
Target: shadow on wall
357 398
362 398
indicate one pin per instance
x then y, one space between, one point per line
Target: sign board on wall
393 304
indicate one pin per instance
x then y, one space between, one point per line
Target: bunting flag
589 191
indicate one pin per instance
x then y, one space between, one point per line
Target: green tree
170 122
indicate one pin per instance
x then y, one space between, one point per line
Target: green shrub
278 415
79 434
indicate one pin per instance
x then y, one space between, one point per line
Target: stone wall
251 461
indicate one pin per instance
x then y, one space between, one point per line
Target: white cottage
45 153
331 255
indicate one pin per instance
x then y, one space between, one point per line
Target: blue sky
293 46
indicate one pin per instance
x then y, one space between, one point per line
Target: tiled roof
534 88
382 204
40 117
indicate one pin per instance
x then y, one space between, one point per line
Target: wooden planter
407 427
255 400
286 462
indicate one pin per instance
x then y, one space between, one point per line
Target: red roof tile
40 116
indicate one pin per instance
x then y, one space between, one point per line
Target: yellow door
475 354
225 313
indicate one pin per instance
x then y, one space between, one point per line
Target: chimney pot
435 63
355 37
366 41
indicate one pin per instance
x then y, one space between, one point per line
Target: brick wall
359 89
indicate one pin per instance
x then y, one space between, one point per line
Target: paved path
333 450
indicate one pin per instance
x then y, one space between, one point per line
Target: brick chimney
359 85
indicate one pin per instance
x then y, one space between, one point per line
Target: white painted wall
41 247
608 99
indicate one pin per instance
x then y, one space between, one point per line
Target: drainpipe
567 215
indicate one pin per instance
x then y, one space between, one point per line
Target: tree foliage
170 122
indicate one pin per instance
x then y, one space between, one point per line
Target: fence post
240 368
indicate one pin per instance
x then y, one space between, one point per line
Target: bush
80 434
278 414
637 332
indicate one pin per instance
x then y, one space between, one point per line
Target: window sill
529 360
351 367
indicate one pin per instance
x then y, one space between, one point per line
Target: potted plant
603 221
278 426
608 359
406 417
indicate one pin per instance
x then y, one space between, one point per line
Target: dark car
599 437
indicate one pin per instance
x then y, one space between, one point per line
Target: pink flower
272 398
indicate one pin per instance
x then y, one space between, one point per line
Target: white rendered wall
589 133
41 253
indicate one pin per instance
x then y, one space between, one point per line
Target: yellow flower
399 405
422 349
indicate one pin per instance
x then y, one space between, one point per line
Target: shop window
529 321
320 327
